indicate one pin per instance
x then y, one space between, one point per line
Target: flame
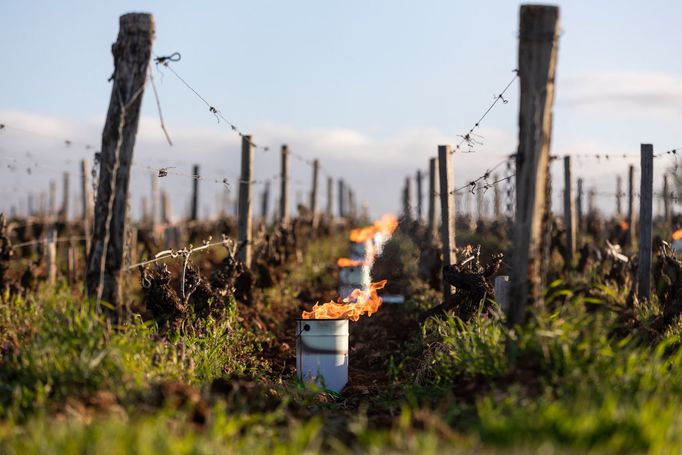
359 303
386 226
346 262
677 235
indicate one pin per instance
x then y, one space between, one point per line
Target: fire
346 262
677 235
352 308
386 226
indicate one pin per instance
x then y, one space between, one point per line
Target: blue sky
370 88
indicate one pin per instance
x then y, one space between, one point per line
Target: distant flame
677 235
346 262
386 226
359 303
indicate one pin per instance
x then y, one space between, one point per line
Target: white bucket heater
322 352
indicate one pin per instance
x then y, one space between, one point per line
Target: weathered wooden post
87 202
194 211
447 211
314 187
579 204
131 51
538 35
156 203
342 197
631 209
407 200
52 200
502 289
591 201
433 185
420 195
480 203
51 256
244 221
351 204
144 205
619 195
64 211
667 218
646 192
265 202
166 209
569 213
284 182
496 199
330 198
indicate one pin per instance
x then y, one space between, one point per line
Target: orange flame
677 235
386 225
359 303
346 262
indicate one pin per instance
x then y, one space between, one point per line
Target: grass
579 379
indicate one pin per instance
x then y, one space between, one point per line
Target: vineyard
511 326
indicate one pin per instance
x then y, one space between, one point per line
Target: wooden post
166 209
569 213
646 192
314 187
342 196
330 198
131 51
64 211
502 289
433 185
631 209
579 204
619 195
156 203
420 196
591 201
51 256
194 210
407 200
87 203
480 203
497 202
538 34
284 182
244 221
144 204
351 203
265 202
52 200
666 202
447 211
71 264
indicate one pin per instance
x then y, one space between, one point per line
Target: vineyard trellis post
330 197
314 190
407 199
580 214
51 255
433 182
645 220
447 211
666 202
496 199
352 212
194 211
420 195
156 203
284 182
244 217
132 52
538 34
166 211
569 213
64 211
619 195
86 202
265 202
629 240
342 195
52 200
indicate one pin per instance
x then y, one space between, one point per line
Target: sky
369 88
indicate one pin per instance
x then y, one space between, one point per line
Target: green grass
580 378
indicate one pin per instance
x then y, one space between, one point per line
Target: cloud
635 91
374 167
